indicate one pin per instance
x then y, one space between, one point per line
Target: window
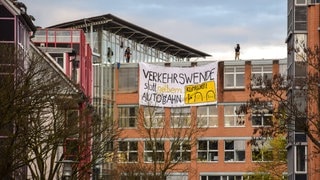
71 149
262 115
234 150
128 151
225 177
261 74
180 117
128 116
177 177
60 61
301 2
72 123
233 77
231 118
7 30
207 116
128 80
153 117
261 151
207 150
301 164
154 151
181 151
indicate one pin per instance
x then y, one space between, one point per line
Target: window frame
180 117
298 160
234 151
128 79
209 118
264 119
209 152
262 152
121 119
156 120
260 71
157 150
183 150
238 119
125 155
236 71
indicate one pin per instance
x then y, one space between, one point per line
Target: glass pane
229 121
213 121
202 110
301 165
213 145
228 80
256 120
267 120
240 80
228 69
213 156
229 145
133 145
256 156
133 156
202 145
202 156
229 156
123 146
240 156
228 110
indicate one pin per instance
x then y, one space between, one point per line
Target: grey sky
211 26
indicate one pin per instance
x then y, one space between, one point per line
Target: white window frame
300 4
184 148
262 148
233 119
260 71
235 71
209 117
211 154
222 177
125 120
157 149
180 117
128 79
296 159
125 155
154 117
238 146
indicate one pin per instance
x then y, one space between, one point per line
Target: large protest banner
177 86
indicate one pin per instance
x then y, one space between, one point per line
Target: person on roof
127 54
237 52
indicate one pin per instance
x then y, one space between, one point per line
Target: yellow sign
200 93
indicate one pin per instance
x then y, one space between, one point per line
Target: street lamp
67 169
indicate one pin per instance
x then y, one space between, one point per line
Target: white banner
177 86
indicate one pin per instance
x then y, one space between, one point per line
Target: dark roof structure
138 34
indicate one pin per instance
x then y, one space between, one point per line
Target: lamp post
67 171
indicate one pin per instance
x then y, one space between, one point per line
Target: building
70 52
302 33
71 98
220 150
108 33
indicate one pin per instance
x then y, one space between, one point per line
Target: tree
167 145
270 157
44 118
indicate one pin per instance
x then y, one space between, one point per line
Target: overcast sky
211 26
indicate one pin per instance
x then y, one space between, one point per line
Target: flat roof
133 32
